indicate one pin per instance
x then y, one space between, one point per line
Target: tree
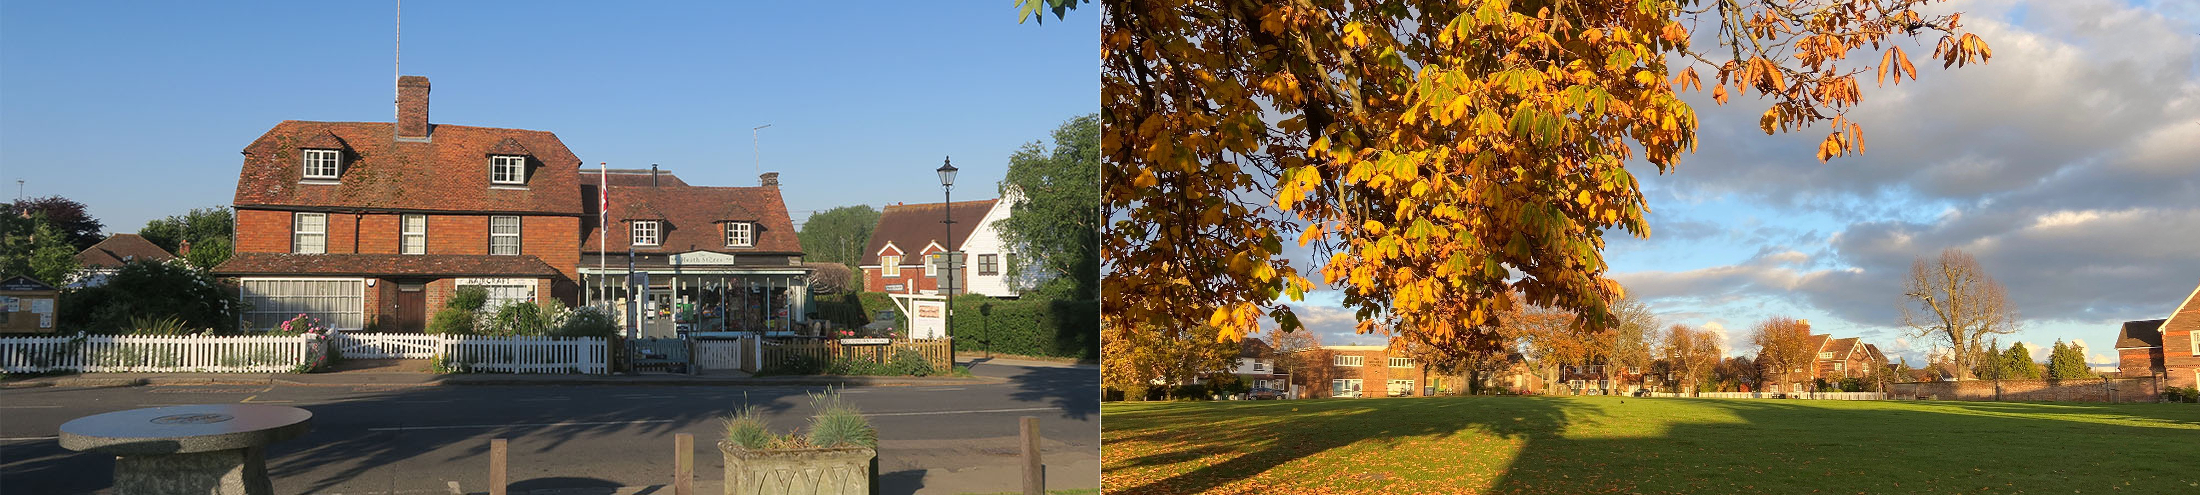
1440 154
838 235
1961 304
208 229
1738 374
1691 356
2016 364
1292 350
2067 362
833 278
1054 225
1136 363
32 246
77 226
1629 344
1784 349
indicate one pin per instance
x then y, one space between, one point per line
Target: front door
412 307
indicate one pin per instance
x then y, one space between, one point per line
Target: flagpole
603 225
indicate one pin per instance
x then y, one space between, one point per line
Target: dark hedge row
1028 327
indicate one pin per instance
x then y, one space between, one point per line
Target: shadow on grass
1626 445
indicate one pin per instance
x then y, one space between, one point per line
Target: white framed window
931 265
1399 362
1398 388
1825 355
1349 361
321 164
1344 388
740 234
504 235
502 291
1838 366
645 233
889 266
508 169
309 233
339 303
414 230
1260 367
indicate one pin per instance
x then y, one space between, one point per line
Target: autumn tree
1692 356
1784 349
1139 361
1631 343
1294 350
1953 302
1738 374
1437 156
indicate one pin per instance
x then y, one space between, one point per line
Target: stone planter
842 471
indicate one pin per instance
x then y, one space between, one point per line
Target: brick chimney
769 179
412 108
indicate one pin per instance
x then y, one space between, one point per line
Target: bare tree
833 278
1956 304
1293 350
1783 348
1630 344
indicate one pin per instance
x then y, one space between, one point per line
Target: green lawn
1614 445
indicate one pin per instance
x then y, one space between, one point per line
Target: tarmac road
420 439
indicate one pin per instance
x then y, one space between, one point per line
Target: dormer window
508 170
321 164
740 234
645 233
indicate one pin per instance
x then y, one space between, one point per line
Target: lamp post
947 208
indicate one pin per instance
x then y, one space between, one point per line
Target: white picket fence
1768 395
388 345
527 354
134 353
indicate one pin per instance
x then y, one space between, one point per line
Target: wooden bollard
683 464
496 466
1035 482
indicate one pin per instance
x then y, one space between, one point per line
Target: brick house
373 224
908 237
1256 366
727 254
2165 347
1846 358
1366 371
2139 348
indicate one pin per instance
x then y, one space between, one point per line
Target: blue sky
2069 166
140 111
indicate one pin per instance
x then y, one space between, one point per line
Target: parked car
1264 394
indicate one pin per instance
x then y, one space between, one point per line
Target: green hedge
856 310
1029 327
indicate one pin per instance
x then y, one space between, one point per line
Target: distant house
909 237
2139 348
1256 366
1366 371
2167 347
102 260
1847 358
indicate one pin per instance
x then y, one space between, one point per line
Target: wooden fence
586 355
780 352
388 345
135 353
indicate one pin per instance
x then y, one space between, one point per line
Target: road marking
29 407
248 400
521 425
25 439
973 411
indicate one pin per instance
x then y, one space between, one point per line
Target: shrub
1031 327
910 362
586 321
452 321
151 289
519 318
2185 394
470 298
147 325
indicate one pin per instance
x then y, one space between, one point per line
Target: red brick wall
463 234
2139 362
378 234
557 240
912 278
2140 389
263 231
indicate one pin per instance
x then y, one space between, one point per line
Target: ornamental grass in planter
837 455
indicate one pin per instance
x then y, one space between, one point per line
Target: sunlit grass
1615 445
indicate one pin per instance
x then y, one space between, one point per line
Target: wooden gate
716 354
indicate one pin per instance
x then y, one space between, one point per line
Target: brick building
1365 371
374 223
908 238
2166 347
717 258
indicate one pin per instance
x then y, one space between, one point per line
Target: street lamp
947 208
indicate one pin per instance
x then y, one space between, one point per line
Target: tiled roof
1819 341
1841 347
2140 334
121 248
912 227
692 216
437 265
450 172
1254 348
630 177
